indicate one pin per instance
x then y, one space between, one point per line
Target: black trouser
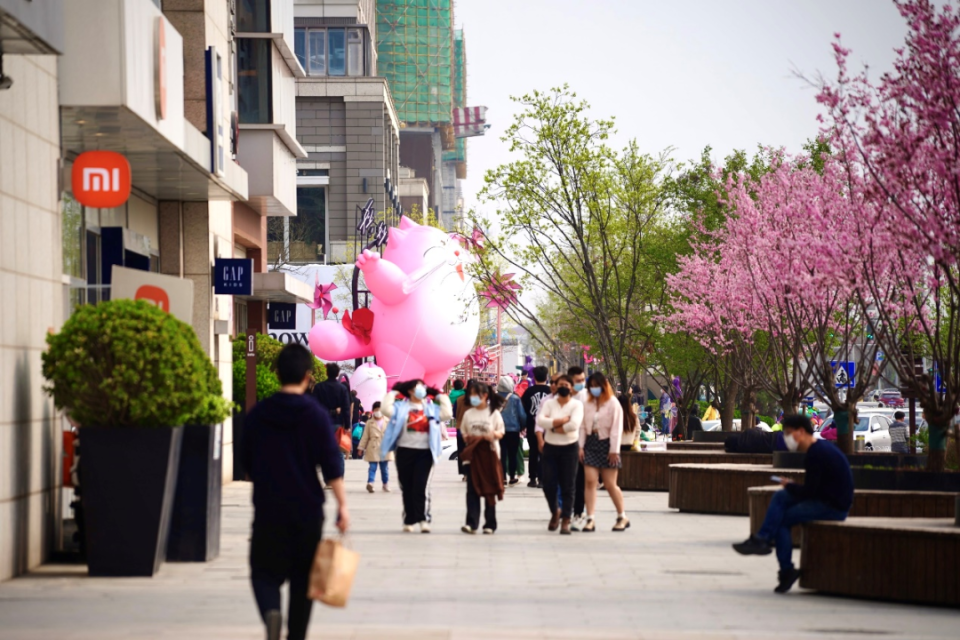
533 462
560 469
473 507
511 449
580 503
280 553
460 445
414 467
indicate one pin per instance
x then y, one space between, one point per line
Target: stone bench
721 488
649 470
695 446
867 503
898 559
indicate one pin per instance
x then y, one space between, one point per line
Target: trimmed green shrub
126 363
267 382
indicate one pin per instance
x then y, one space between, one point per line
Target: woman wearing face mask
415 414
600 437
482 426
560 419
369 449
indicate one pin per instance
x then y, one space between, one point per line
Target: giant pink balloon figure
425 312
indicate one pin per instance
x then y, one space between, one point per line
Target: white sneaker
576 524
468 529
408 528
488 531
424 527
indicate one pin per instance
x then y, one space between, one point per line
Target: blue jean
384 471
784 512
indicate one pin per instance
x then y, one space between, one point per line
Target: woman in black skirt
600 435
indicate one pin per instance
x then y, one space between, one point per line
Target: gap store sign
233 276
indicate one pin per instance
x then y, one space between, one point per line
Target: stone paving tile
671 576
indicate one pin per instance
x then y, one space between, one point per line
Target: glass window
354 52
318 53
300 46
308 228
253 16
254 80
338 51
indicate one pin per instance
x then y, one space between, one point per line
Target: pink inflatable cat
425 311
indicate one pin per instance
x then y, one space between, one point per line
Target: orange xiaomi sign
101 179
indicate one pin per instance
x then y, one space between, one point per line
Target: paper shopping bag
331 576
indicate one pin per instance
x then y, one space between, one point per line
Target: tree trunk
937 446
728 406
789 405
748 409
845 419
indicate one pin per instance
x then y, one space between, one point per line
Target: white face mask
791 442
377 414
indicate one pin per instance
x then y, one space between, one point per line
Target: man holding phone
826 494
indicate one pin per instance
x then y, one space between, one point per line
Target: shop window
330 52
253 16
254 80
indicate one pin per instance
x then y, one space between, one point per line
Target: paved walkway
671 576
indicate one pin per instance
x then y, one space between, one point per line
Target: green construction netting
459 154
459 70
415 54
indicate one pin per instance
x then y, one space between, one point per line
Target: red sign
153 294
101 179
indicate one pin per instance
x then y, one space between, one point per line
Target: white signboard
340 297
173 295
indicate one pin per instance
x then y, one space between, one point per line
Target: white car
873 427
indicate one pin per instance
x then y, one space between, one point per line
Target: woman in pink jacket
600 434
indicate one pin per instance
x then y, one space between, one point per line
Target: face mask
791 442
377 414
579 386
474 401
595 391
420 391
563 392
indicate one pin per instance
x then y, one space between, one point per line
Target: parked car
874 427
890 398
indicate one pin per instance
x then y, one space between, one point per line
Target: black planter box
905 480
128 477
794 460
195 521
239 473
712 436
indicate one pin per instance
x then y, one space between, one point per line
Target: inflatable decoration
370 383
528 368
423 317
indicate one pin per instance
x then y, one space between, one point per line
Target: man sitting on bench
826 494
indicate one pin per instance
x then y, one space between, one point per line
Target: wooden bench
712 436
720 488
695 446
899 559
867 503
649 470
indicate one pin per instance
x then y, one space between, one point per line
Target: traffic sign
844 372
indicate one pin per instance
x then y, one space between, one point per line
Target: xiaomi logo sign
101 179
153 294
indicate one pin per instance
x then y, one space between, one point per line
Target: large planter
795 459
905 480
128 477
239 473
195 521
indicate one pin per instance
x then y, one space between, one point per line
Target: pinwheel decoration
322 298
501 291
473 242
480 357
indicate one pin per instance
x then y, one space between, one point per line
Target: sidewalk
670 576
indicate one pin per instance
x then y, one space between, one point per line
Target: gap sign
282 315
233 277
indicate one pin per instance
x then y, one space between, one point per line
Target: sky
674 73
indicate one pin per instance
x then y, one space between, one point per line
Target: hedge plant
267 381
126 363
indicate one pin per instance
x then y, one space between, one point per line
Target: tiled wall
31 303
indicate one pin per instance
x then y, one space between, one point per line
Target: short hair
333 370
797 421
565 377
899 415
575 371
294 362
376 405
540 374
458 385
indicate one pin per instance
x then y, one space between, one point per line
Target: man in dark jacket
532 399
288 436
826 494
334 397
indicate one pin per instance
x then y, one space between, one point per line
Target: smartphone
776 479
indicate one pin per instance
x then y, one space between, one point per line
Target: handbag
331 575
344 440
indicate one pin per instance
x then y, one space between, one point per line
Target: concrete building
31 34
414 191
348 126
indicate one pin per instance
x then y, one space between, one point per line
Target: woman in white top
482 421
560 419
600 436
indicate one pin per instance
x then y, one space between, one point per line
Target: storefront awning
277 286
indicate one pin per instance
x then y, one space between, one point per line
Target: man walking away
514 420
899 433
335 398
826 494
287 437
532 400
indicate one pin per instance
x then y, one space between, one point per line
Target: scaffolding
415 50
459 152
